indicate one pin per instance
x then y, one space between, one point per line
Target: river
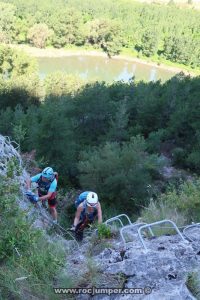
102 69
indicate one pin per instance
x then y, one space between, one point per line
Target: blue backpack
82 197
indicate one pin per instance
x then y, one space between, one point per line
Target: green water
102 69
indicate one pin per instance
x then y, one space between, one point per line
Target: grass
159 210
193 284
29 262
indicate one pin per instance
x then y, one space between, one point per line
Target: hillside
131 148
160 272
153 32
181 3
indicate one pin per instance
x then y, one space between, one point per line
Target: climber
88 209
47 184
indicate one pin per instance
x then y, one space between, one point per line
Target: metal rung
157 223
117 218
131 227
188 227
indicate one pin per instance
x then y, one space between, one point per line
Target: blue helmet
48 173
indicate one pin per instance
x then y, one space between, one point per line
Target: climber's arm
99 211
78 214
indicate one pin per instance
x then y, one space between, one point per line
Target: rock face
162 269
11 166
7 151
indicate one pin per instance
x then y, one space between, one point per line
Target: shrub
25 252
104 231
193 284
119 172
182 205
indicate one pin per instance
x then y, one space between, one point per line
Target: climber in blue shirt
47 184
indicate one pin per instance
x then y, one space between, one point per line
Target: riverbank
53 52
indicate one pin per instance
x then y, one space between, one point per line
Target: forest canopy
161 31
99 135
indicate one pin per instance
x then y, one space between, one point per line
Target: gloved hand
29 193
32 197
35 198
73 228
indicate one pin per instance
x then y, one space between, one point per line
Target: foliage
105 34
193 284
89 132
7 21
24 251
14 63
19 133
24 91
151 30
118 172
67 25
103 231
159 210
149 41
19 82
59 84
39 34
180 205
13 168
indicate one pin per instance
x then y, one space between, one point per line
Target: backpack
43 190
81 198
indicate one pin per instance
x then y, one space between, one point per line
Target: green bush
193 284
182 205
119 172
154 140
179 156
24 251
104 231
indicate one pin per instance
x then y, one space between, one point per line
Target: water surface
102 68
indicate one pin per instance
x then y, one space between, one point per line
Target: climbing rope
62 230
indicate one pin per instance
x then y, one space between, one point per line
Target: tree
119 123
106 34
119 173
58 84
53 138
19 134
91 113
24 90
19 81
6 118
39 34
149 42
179 48
7 19
15 63
21 28
3 37
67 25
